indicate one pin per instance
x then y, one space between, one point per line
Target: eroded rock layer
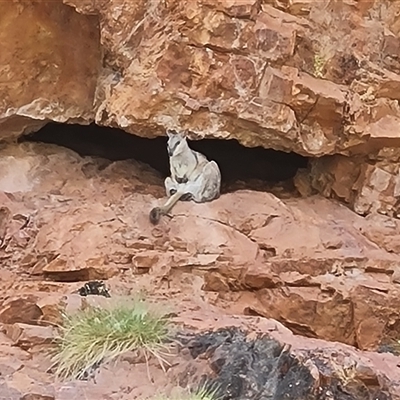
310 263
49 65
315 267
316 78
321 79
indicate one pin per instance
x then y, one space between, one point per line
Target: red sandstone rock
26 336
283 74
289 75
47 76
310 263
24 310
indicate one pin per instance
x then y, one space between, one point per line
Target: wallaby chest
184 167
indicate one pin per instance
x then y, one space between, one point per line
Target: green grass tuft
94 335
200 394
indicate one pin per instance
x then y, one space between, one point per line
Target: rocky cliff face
316 78
321 79
322 273
49 65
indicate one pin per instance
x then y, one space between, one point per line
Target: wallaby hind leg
171 187
187 197
207 185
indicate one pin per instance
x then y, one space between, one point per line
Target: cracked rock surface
319 273
287 75
316 272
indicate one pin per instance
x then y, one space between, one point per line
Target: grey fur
192 176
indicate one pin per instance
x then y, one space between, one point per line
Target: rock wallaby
193 177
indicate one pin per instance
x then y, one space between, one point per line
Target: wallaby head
176 142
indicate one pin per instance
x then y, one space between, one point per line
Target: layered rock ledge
319 79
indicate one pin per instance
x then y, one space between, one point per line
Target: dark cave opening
237 163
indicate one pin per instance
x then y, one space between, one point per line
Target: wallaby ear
171 133
183 134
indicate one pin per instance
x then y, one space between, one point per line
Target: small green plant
91 336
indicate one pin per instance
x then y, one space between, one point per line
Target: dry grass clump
95 335
200 394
